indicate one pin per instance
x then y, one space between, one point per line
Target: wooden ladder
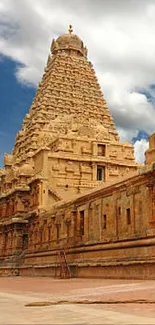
65 272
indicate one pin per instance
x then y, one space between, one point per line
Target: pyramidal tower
68 142
69 101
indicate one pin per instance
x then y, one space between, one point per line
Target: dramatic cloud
140 147
120 37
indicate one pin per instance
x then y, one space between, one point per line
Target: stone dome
68 41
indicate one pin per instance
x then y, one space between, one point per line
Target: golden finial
70 29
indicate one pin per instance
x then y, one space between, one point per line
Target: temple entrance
25 241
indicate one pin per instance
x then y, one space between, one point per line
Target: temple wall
112 214
105 233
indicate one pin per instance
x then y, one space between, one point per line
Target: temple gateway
73 201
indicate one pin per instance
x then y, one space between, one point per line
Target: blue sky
15 99
120 39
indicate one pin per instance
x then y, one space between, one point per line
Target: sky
120 37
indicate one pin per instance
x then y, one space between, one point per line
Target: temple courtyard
26 300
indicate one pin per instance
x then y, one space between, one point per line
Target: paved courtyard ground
108 301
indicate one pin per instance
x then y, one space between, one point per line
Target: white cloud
140 147
120 38
131 109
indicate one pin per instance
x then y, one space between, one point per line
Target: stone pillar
77 225
74 225
43 195
150 196
1 241
18 240
94 148
3 209
93 172
90 222
134 213
86 230
68 229
116 200
97 222
13 241
43 185
5 242
0 210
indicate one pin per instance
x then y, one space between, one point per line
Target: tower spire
70 29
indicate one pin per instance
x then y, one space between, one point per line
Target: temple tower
68 143
69 101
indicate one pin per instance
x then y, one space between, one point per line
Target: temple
70 183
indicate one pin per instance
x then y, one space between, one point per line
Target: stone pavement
16 292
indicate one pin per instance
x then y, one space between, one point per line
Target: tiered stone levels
68 97
64 133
